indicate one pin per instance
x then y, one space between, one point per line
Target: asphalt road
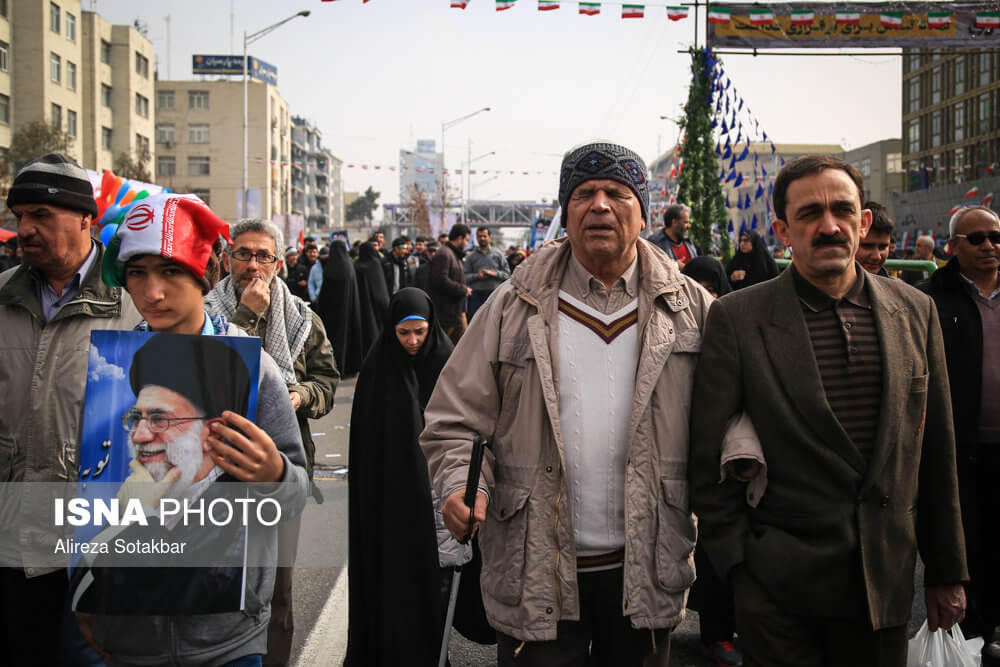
319 592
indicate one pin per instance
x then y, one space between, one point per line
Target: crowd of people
772 449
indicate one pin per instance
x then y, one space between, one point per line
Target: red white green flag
718 15
547 5
848 18
459 4
761 17
988 20
505 4
891 19
633 11
590 8
988 199
677 13
974 192
802 17
938 19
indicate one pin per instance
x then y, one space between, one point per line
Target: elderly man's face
181 445
51 238
983 258
246 272
603 221
925 250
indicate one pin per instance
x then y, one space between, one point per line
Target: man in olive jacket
578 370
843 374
48 307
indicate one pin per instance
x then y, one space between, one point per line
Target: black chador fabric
758 263
394 601
710 271
339 308
373 295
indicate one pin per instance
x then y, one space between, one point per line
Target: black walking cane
471 489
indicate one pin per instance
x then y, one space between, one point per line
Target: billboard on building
927 25
233 65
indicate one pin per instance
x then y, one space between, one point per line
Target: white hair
925 240
258 225
955 219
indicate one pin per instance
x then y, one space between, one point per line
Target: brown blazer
832 536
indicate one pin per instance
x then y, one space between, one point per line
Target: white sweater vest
598 355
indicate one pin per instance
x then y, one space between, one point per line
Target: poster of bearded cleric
159 528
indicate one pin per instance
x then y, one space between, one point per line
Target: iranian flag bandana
180 228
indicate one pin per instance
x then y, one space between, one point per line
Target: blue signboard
209 64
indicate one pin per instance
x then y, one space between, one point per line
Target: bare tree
418 209
136 169
32 140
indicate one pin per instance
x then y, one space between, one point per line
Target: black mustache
836 239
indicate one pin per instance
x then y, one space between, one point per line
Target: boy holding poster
162 253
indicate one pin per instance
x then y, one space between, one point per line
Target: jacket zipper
173 642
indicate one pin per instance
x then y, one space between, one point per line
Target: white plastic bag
943 648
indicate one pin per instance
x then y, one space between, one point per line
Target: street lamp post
445 126
247 40
466 191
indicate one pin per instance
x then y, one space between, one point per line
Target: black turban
202 369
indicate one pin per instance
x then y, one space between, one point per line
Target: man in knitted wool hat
590 355
163 255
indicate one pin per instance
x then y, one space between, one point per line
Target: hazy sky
376 77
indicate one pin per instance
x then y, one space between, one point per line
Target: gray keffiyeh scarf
289 321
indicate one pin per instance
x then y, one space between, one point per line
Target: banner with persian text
926 25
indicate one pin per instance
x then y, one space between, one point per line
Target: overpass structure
493 213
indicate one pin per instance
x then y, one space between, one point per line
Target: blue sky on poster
376 77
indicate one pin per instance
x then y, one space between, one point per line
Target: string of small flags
630 10
420 170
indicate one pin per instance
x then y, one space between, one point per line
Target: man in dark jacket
673 238
966 292
298 275
448 290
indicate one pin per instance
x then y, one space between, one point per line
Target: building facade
951 117
881 163
422 168
317 183
199 139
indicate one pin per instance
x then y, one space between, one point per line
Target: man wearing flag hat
164 254
48 307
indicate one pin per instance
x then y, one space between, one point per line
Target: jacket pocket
503 543
675 537
918 383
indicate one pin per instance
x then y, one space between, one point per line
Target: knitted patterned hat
603 160
53 179
180 228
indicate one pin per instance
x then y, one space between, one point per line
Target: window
165 133
56 116
105 52
914 60
5 109
203 194
936 128
106 138
984 68
894 163
984 113
198 99
71 122
865 167
141 65
936 85
142 105
70 27
70 75
913 146
958 165
166 165
141 145
55 68
4 56
198 133
959 75
53 17
3 7
959 121
914 94
165 99
199 166
105 94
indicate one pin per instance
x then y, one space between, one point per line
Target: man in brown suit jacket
844 376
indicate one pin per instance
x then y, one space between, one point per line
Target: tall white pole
468 180
244 213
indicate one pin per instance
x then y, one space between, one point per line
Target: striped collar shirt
579 283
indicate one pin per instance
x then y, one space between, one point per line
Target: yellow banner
825 27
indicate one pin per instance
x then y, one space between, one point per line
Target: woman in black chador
395 605
339 308
373 295
752 263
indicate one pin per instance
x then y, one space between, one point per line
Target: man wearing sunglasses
967 295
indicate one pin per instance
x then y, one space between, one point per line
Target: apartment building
6 83
118 89
951 117
199 145
317 186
